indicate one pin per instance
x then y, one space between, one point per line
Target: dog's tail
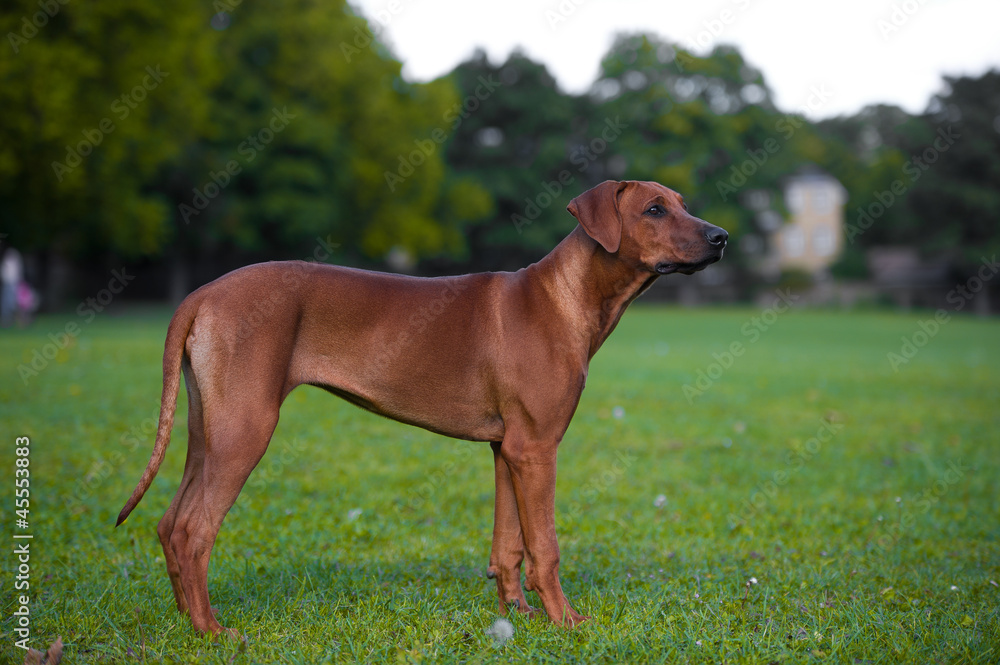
173 352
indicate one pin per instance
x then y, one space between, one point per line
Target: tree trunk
180 277
981 304
58 274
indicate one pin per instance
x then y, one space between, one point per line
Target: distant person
27 302
11 276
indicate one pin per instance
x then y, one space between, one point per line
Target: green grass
866 550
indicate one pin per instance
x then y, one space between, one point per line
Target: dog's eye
655 210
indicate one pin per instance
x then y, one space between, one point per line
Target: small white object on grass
618 412
660 500
501 631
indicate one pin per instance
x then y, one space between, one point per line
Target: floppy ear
597 211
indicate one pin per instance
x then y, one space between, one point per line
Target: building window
769 221
794 241
795 200
822 201
823 241
758 199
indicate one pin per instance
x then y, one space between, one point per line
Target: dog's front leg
508 545
532 467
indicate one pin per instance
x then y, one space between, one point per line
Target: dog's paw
523 608
574 619
236 636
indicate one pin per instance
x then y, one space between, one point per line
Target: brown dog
498 357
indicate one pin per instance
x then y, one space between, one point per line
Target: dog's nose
716 236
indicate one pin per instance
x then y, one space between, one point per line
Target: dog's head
648 226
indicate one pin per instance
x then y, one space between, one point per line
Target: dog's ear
597 211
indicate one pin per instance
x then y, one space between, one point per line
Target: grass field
862 500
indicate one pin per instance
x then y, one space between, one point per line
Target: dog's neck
592 287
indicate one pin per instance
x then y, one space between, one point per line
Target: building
812 238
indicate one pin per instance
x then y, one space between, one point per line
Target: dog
493 357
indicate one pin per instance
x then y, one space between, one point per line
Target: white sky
849 48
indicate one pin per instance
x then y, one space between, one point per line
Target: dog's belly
457 423
419 385
413 350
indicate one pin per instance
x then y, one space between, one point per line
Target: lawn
802 500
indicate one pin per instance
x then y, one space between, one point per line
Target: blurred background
147 148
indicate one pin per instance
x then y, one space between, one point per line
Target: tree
930 181
514 137
704 126
98 102
259 135
318 141
955 206
867 153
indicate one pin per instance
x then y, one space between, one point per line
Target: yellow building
812 238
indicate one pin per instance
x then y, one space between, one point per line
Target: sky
821 59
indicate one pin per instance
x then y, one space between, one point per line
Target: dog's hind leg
236 436
189 482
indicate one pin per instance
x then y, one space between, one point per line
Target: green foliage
955 206
99 102
279 128
352 122
272 127
867 153
705 126
933 181
795 280
361 540
514 138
